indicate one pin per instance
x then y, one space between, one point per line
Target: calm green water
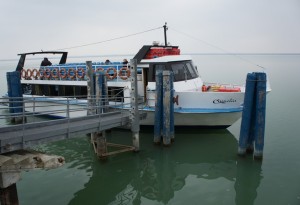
201 167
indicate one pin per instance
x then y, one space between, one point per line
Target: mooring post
8 188
172 127
101 145
253 118
158 107
100 94
15 95
135 124
91 99
246 124
90 89
260 115
167 101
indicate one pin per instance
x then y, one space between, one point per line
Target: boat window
191 70
179 71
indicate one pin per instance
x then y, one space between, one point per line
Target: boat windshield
183 70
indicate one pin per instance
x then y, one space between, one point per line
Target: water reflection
249 175
157 173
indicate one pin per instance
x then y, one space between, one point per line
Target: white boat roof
166 59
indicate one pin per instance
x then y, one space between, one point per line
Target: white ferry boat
196 103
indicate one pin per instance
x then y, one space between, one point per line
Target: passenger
107 62
125 62
46 62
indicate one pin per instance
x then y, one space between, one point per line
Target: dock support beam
135 123
8 188
164 108
253 117
15 95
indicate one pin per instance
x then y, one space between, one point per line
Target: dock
96 115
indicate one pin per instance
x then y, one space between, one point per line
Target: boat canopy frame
21 62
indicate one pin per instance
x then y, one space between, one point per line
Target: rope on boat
112 39
218 48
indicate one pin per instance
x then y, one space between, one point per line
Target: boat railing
76 72
43 107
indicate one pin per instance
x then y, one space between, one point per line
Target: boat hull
205 120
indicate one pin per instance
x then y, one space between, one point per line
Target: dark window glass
192 71
179 71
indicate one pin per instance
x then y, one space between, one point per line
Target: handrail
64 107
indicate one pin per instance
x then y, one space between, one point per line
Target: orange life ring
111 77
70 70
124 77
54 70
47 70
82 73
23 73
99 69
64 75
204 89
35 73
28 73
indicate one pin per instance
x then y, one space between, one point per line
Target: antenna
165 33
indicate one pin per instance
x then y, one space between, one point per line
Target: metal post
165 33
247 114
135 123
158 107
260 110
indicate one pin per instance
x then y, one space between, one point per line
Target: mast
165 33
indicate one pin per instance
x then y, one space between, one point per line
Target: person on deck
125 62
107 62
46 62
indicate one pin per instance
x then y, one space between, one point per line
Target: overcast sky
233 25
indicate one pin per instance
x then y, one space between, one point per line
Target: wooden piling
15 94
9 195
167 108
164 108
253 117
135 124
260 115
90 89
247 114
158 107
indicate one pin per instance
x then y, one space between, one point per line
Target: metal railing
57 107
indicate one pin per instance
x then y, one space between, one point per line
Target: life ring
71 70
54 73
111 77
47 73
35 73
64 71
99 69
124 77
82 73
204 89
23 73
28 73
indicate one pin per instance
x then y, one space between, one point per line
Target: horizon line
113 55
